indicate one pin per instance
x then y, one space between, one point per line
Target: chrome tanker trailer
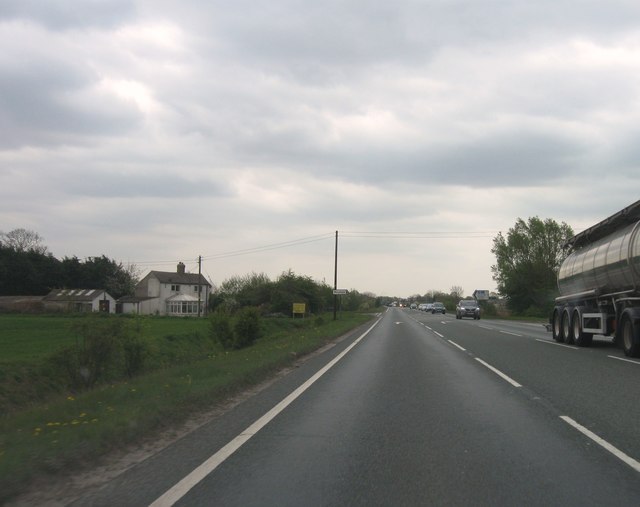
599 284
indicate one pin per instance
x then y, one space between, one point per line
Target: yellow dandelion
71 398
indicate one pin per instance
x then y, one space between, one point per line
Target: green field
30 338
46 429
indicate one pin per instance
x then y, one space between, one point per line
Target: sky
249 132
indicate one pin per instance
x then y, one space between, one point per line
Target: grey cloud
66 14
146 184
38 107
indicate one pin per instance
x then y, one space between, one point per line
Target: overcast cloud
157 131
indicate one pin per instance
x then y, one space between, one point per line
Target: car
428 307
438 308
468 308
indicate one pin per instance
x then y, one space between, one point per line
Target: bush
246 328
238 332
489 310
135 352
105 349
221 331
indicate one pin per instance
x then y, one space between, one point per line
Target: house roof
179 278
75 294
182 297
135 299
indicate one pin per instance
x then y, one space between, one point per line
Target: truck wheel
630 334
567 329
556 325
581 338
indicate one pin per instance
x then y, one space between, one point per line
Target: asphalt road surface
416 409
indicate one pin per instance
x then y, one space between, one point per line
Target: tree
23 240
456 292
527 263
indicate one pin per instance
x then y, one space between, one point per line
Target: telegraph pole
199 285
335 281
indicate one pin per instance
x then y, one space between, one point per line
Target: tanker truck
599 284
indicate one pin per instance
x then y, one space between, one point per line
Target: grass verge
70 432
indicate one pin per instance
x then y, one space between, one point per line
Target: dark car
468 308
438 308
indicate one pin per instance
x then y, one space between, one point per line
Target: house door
104 305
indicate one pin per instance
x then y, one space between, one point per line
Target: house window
183 307
175 288
197 288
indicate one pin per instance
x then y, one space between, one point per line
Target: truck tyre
630 335
581 338
567 328
556 325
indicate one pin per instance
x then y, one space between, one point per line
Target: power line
273 246
330 235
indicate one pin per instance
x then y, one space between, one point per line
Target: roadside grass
29 338
72 431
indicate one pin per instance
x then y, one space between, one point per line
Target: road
416 409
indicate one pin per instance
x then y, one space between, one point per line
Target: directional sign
481 295
338 292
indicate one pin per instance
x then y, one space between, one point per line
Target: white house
168 293
79 300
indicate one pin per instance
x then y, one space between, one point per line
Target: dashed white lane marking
512 334
182 487
499 373
625 360
557 344
440 335
613 450
456 345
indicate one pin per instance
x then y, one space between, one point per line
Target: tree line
528 258
27 268
276 296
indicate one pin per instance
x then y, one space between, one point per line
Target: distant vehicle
428 307
468 308
599 284
438 308
414 306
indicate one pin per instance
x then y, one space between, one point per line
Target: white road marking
456 345
440 335
180 489
499 373
512 334
557 344
613 450
623 359
486 327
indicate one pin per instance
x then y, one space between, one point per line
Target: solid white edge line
499 373
613 450
557 344
625 360
456 345
182 487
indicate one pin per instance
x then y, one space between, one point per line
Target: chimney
180 268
